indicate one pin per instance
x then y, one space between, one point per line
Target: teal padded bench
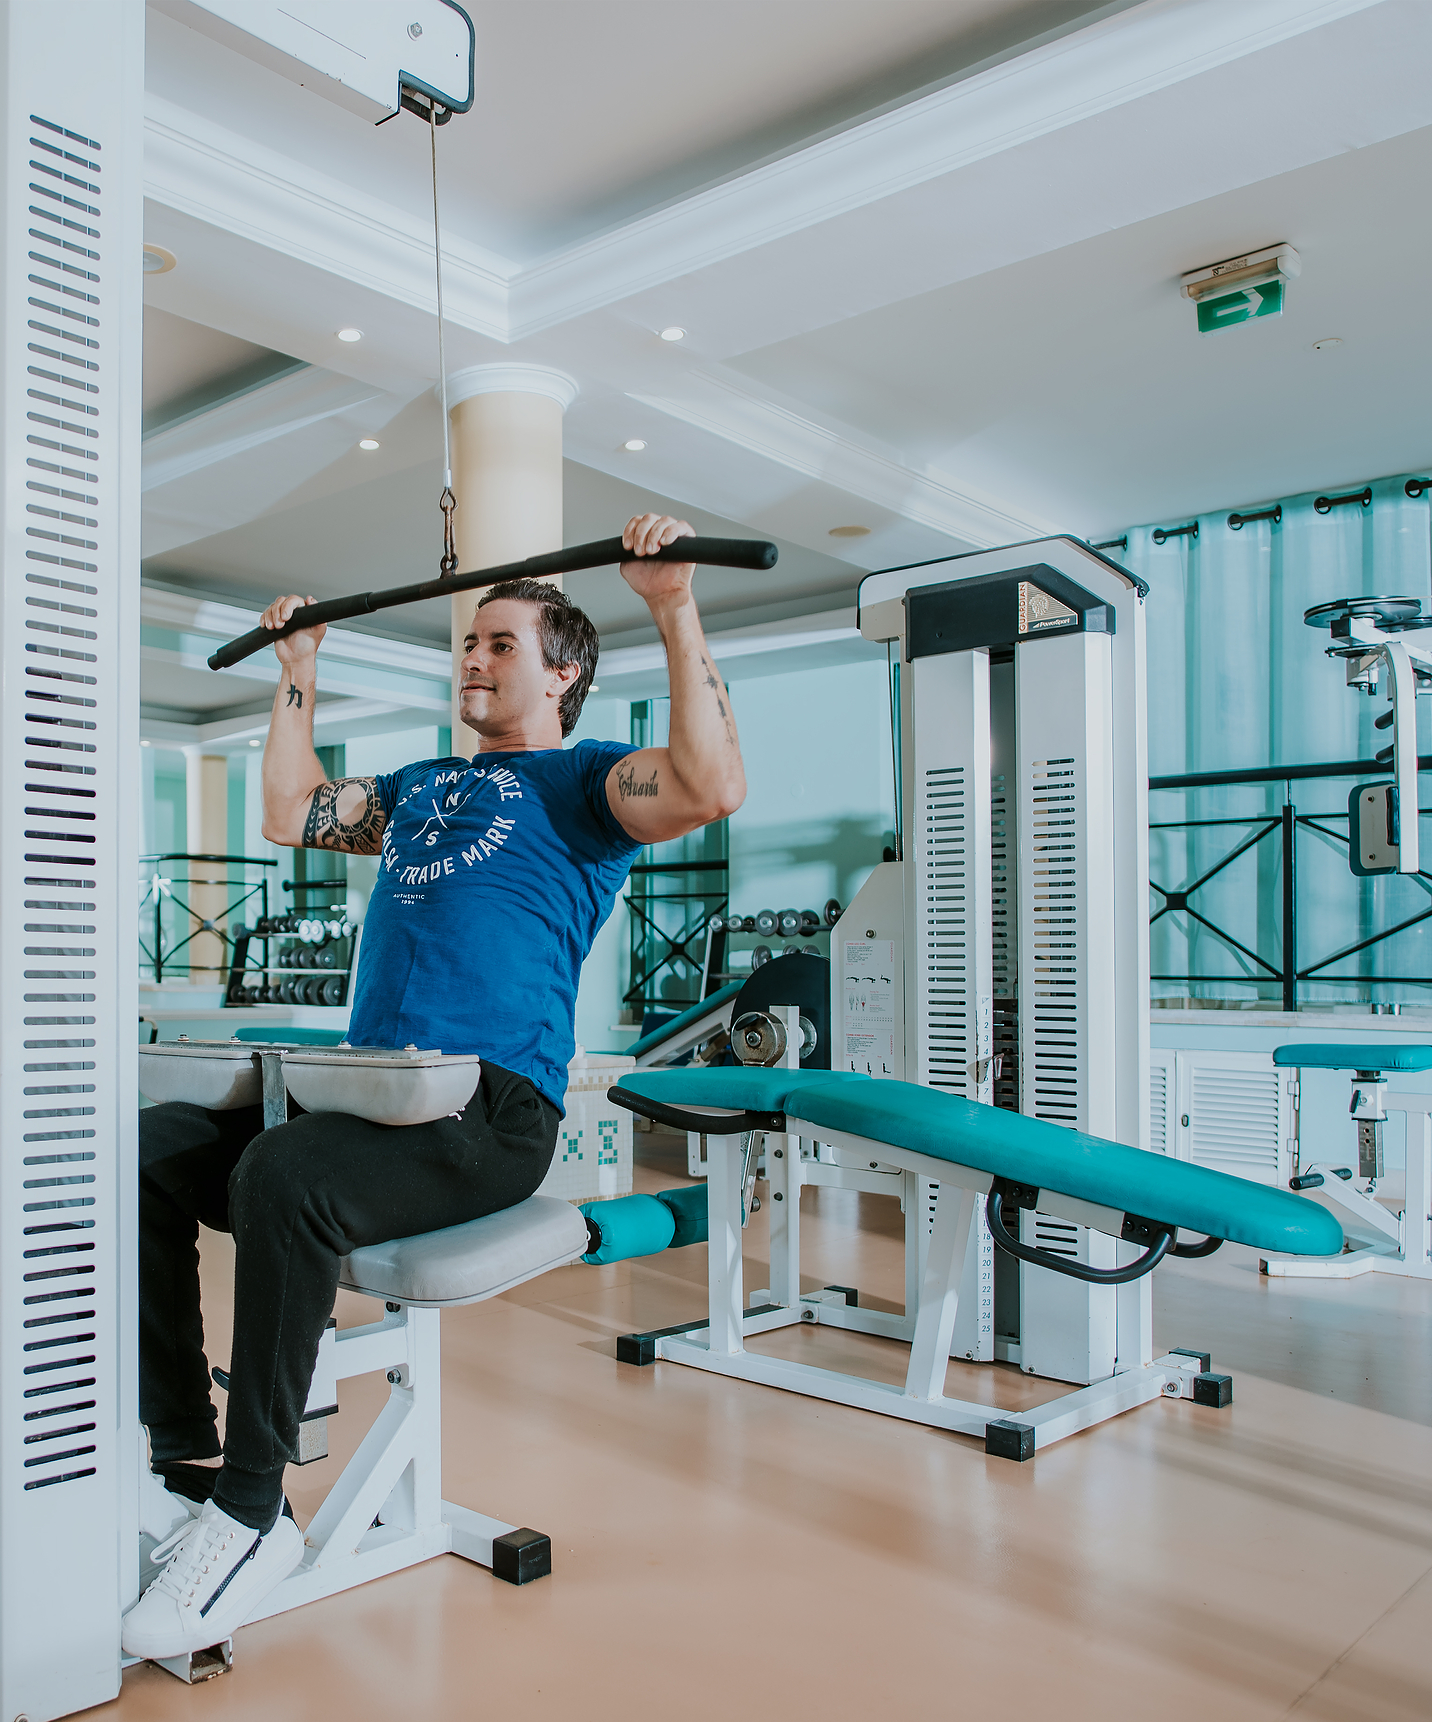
974 1154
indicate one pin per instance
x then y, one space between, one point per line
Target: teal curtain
1238 682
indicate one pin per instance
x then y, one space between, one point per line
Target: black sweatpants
296 1199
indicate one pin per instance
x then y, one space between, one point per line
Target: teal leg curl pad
689 1210
629 1226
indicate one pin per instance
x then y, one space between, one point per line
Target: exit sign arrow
1242 305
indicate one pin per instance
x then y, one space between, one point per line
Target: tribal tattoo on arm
361 835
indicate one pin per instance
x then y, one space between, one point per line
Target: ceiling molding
1103 66
167 608
738 415
276 409
511 379
240 185
233 732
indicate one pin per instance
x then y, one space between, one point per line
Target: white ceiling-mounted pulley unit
358 53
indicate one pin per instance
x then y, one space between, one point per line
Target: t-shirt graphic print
495 876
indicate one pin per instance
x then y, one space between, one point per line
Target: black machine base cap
1007 1440
852 1296
640 1348
521 1556
1215 1390
1205 1358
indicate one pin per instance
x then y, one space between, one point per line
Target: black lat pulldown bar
713 552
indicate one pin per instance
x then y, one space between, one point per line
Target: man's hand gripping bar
713 552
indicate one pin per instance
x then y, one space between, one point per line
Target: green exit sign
1240 305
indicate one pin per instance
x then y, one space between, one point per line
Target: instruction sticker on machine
868 1009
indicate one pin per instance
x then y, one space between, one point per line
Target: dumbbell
331 989
325 957
760 957
832 911
788 922
767 922
810 923
790 950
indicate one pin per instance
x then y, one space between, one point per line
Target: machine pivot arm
697 1122
712 552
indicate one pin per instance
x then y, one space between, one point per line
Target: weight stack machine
1004 956
73 108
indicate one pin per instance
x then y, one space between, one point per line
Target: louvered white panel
1162 1080
1235 1104
949 923
1066 883
68 771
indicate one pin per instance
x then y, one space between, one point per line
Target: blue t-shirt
495 877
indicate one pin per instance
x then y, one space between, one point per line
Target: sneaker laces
188 1553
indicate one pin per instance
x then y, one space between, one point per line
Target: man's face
505 685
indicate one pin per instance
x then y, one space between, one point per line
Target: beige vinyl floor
725 1550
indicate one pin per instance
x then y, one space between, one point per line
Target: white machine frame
1386 1240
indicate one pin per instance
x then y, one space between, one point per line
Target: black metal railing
166 946
1279 830
659 951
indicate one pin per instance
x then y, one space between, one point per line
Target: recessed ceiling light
144 741
674 333
350 334
369 443
1327 342
158 261
849 532
635 446
594 689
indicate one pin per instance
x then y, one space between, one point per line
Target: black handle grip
601 553
1004 1240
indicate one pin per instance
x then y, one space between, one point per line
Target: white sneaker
216 1574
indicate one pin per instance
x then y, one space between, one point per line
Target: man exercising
495 876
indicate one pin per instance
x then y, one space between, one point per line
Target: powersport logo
435 814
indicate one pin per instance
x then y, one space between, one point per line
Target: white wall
820 796
604 974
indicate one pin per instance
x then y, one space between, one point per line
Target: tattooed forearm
713 682
628 786
363 835
295 696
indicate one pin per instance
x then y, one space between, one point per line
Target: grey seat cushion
464 1264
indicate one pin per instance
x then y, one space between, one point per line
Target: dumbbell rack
804 937
283 978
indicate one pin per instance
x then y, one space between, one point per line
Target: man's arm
663 792
302 809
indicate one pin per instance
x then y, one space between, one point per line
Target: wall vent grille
945 890
1159 1074
1235 1124
1004 952
65 1392
1054 924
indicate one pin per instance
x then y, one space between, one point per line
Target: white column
71 101
507 477
206 813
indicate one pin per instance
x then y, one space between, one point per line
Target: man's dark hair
567 637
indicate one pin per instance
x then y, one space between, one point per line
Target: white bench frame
933 1275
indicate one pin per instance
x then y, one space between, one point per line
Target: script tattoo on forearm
628 788
323 829
713 682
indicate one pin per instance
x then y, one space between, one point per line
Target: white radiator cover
69 637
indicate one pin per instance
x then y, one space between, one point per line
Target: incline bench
1011 1161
